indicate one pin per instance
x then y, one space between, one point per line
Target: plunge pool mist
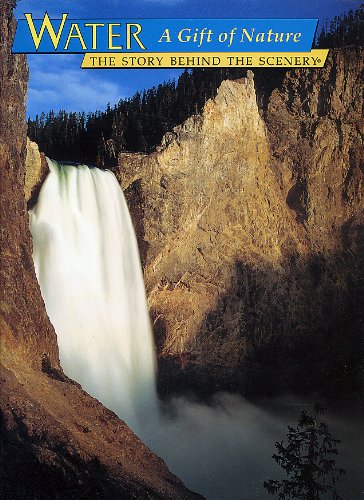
87 264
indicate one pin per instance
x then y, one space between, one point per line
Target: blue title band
163 35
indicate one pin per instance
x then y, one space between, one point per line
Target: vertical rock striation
25 324
251 222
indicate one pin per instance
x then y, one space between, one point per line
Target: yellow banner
314 59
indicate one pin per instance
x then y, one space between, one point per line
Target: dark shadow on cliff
29 472
298 328
135 199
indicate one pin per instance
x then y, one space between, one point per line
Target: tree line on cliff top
138 123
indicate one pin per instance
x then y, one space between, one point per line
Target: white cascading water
86 258
87 263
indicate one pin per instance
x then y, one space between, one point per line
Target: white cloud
57 82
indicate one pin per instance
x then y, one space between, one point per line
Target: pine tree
308 460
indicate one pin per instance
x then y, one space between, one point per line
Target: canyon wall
250 225
24 321
57 441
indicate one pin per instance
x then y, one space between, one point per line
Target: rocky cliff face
25 323
250 225
36 171
56 440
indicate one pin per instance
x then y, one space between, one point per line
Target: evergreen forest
138 123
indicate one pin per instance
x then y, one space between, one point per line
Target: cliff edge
250 223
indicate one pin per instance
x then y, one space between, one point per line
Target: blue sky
57 82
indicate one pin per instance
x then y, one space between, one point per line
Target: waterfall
87 263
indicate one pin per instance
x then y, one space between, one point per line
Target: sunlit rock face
250 226
36 171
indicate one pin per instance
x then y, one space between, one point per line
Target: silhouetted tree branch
308 460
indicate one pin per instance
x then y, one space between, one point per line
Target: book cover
181 249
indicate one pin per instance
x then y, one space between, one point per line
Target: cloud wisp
61 84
